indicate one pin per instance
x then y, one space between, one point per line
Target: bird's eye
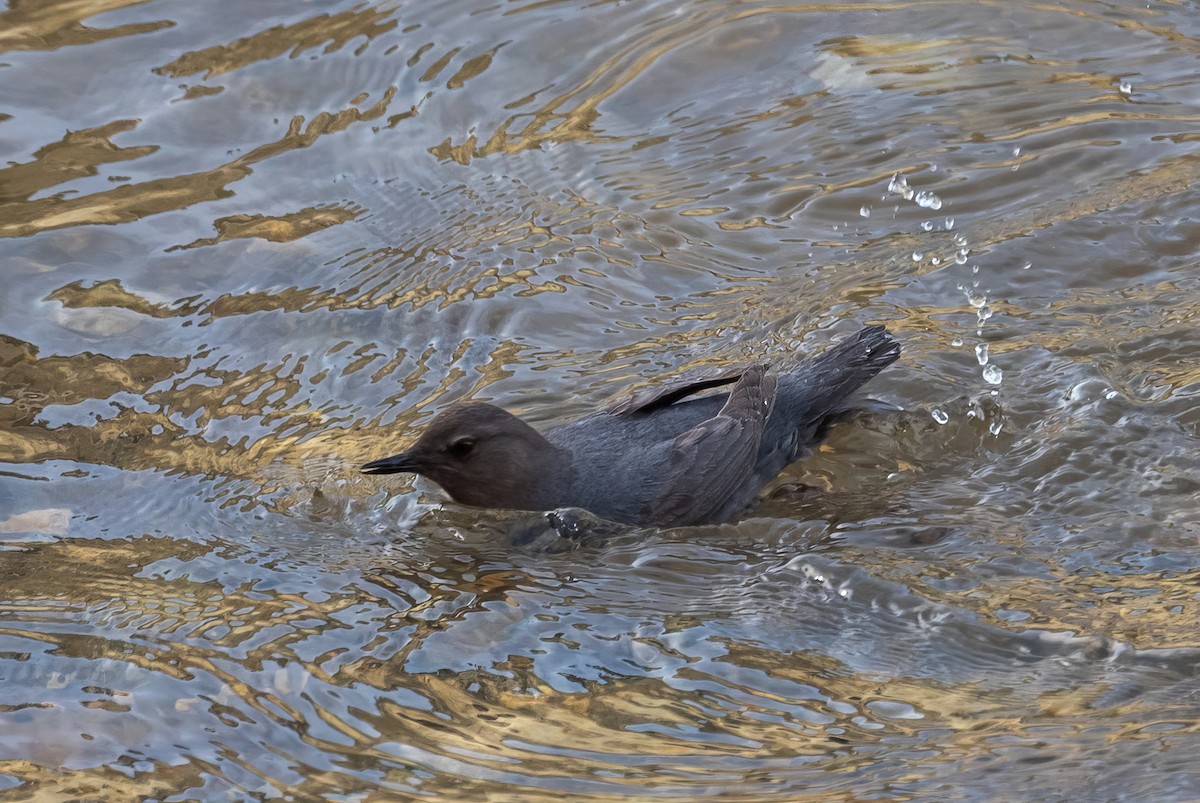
461 447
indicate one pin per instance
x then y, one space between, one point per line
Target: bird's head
480 455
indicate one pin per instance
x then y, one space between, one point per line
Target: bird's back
623 459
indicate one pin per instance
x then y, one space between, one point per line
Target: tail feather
870 349
841 370
822 390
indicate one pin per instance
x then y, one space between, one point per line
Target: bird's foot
796 492
564 528
577 524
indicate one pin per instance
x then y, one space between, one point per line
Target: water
247 247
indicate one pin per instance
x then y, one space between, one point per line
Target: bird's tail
867 352
825 387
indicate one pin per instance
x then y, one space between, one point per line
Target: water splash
899 186
928 200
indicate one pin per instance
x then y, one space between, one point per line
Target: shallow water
247 247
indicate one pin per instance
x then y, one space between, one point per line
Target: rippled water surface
247 246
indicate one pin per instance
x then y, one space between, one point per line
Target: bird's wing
644 401
712 461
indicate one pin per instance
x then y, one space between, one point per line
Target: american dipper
658 457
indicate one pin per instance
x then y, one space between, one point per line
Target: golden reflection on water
328 31
130 202
51 24
225 294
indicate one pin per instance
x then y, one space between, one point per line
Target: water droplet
928 200
960 258
1027 266
981 353
939 416
1017 151
956 342
935 260
918 256
1112 394
977 301
949 223
899 186
960 240
926 225
1125 87
992 374
996 426
864 211
984 313
974 269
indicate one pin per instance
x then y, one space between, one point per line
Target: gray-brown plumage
658 457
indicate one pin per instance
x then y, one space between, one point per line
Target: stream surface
247 246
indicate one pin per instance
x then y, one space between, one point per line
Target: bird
663 456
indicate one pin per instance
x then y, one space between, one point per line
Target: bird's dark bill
396 464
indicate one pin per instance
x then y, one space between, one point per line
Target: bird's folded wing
644 401
712 462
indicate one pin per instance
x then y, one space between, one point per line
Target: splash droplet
992 374
956 342
976 301
926 225
1027 266
928 200
1125 87
899 186
981 353
939 416
864 211
984 313
918 256
949 223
